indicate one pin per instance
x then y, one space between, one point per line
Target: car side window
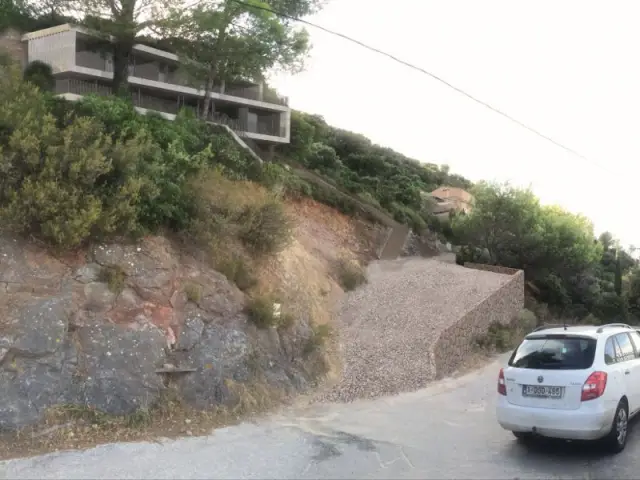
609 352
635 339
626 348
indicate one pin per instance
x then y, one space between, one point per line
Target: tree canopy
222 40
575 273
376 174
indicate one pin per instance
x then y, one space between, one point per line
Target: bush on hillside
239 210
322 156
40 74
354 164
500 337
55 183
71 172
267 228
350 274
261 313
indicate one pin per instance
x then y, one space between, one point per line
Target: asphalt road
445 431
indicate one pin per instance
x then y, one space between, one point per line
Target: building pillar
243 118
261 91
285 124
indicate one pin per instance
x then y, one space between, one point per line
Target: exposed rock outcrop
95 329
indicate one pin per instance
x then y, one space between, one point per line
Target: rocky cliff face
113 327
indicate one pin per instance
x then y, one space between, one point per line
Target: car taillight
502 387
594 386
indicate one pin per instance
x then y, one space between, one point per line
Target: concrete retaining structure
492 268
457 341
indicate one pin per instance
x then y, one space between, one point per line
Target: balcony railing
263 125
151 72
81 87
148 102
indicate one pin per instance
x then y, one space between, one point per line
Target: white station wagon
573 383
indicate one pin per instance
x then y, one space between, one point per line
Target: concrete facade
82 64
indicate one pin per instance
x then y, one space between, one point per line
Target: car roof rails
551 325
622 325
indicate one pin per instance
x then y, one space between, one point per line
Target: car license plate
541 392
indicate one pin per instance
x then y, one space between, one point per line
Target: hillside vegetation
78 172
375 174
578 276
75 177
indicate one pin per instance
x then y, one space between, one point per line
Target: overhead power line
426 72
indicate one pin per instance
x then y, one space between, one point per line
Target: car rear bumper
590 422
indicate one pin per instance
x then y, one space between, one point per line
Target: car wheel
616 440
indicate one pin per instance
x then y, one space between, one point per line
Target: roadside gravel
389 326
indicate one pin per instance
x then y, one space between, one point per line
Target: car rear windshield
557 352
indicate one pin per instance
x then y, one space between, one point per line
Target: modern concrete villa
82 64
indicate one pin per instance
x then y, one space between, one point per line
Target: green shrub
40 74
56 182
267 228
498 337
591 319
260 312
350 274
273 175
367 197
330 197
114 276
193 292
319 337
322 156
71 172
526 320
5 59
235 269
501 337
406 215
296 188
229 210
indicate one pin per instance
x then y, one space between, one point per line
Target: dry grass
322 334
350 274
240 212
240 224
260 311
235 266
71 427
193 292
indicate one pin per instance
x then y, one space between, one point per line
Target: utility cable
426 72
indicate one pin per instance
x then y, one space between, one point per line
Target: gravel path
388 327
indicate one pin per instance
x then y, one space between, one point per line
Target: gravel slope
387 328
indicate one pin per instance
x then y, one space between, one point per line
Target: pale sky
570 69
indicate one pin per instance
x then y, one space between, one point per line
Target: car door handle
627 372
